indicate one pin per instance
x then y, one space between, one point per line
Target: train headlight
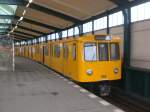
116 70
89 72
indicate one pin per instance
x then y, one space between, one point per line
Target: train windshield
114 51
103 51
90 52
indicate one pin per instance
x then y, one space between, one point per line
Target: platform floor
35 88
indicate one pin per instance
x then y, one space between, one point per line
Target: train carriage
87 59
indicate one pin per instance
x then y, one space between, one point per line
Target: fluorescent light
21 18
24 12
16 27
17 23
30 1
28 5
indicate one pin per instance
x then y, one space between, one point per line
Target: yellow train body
67 56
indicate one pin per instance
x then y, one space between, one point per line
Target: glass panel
114 51
100 23
70 32
6 53
57 51
57 36
64 33
74 51
65 51
87 27
7 9
90 53
53 36
76 31
103 51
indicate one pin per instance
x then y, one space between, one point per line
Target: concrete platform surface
35 88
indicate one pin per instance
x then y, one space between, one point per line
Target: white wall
140 42
140 47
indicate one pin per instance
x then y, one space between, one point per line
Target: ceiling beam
20 38
25 34
54 13
7 16
13 2
26 37
31 30
38 23
5 24
120 2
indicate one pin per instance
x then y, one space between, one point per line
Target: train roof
90 38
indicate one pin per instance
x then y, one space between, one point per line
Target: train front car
101 61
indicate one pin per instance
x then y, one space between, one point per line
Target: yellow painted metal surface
77 68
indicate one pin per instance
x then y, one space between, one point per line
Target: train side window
74 51
65 51
90 52
51 50
103 51
114 51
57 51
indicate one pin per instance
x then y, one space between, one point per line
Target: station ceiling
42 17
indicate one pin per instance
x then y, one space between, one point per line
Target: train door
65 58
42 54
43 57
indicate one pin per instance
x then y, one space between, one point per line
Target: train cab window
90 52
65 51
103 51
74 51
114 51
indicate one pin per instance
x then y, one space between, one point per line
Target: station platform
35 88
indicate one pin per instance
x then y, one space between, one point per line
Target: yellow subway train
86 59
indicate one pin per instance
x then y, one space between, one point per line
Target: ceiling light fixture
24 12
21 18
30 1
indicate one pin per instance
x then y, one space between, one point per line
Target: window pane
76 31
49 37
57 36
116 19
103 52
74 51
147 10
100 23
90 52
64 33
53 36
87 27
65 51
114 51
70 32
57 51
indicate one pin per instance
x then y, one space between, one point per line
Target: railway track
127 103
123 101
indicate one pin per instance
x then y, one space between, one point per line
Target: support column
127 36
80 30
127 47
108 29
